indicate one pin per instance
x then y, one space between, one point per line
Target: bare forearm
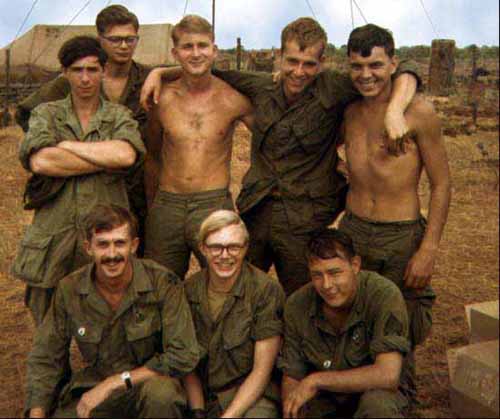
355 380
403 92
248 393
137 376
194 391
110 154
438 214
57 162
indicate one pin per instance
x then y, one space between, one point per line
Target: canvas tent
35 52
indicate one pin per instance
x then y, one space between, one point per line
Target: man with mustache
83 146
292 187
122 80
133 327
237 312
189 145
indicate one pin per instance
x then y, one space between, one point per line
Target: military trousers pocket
30 263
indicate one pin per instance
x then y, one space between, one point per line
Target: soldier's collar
67 114
140 280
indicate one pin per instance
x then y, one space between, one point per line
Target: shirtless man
383 208
189 143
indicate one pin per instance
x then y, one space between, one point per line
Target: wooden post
474 94
7 76
238 53
442 67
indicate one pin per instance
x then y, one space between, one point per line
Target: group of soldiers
130 176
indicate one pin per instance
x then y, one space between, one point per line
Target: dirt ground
466 271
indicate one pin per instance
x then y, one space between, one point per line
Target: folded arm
57 162
109 154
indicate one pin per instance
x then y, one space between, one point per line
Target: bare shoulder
352 110
231 97
169 92
421 107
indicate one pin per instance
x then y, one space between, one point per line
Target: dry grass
466 272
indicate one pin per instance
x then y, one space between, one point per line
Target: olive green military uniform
292 187
377 323
52 245
173 224
152 327
251 312
59 88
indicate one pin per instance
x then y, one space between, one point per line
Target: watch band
126 378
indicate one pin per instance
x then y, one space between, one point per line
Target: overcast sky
259 22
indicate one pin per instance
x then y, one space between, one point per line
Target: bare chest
367 153
114 88
208 120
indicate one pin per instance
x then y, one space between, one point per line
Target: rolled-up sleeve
181 351
291 360
49 357
390 327
269 311
40 134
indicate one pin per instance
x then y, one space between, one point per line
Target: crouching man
132 325
237 312
345 338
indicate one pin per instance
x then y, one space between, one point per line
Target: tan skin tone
189 138
73 158
117 69
224 269
111 251
382 186
335 282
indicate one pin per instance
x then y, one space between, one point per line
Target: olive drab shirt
152 327
293 147
377 323
48 248
252 311
59 88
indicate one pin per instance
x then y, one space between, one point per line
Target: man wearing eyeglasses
237 313
123 77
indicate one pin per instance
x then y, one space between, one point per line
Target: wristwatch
125 376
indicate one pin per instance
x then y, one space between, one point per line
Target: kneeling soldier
237 312
345 338
132 325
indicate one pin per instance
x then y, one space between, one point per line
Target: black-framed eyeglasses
234 249
117 40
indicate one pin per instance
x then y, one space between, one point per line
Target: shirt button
327 364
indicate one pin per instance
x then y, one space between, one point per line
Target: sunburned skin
197 127
382 186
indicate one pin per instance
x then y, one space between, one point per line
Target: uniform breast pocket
318 357
144 334
238 343
88 337
357 351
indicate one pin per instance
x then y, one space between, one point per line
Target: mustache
115 259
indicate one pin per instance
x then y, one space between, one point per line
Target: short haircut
115 15
363 39
330 243
306 32
219 219
192 24
108 217
80 47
